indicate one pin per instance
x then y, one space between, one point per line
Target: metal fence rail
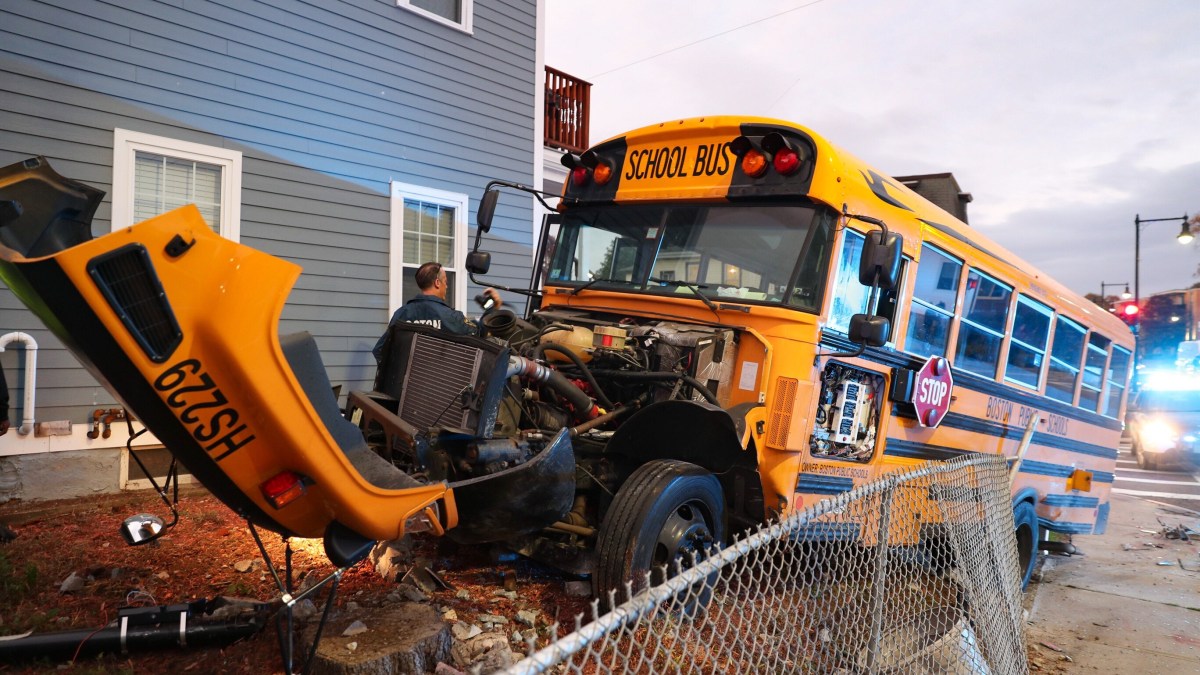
913 573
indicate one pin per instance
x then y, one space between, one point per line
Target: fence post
877 583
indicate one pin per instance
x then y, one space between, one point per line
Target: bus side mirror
880 261
869 330
479 262
487 209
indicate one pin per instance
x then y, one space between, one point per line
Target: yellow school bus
759 236
729 319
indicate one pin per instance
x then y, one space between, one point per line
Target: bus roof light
754 163
787 161
579 176
602 173
784 157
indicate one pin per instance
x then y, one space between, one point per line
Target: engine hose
664 376
608 416
585 408
541 349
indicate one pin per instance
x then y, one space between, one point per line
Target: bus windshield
756 253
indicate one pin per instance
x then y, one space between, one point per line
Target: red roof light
786 161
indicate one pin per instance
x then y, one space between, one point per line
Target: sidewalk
1116 609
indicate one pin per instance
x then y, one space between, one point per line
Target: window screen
428 237
447 9
162 183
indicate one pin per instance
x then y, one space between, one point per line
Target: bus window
849 296
1118 371
1065 357
1031 331
1093 372
932 308
985 315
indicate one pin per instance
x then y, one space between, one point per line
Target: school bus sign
931 391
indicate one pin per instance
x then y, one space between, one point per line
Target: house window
427 226
454 13
155 174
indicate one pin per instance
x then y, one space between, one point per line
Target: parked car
1164 426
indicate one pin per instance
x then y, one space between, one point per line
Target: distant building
941 189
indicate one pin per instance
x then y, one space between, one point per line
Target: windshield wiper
695 288
577 291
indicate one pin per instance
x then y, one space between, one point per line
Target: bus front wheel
1025 521
664 518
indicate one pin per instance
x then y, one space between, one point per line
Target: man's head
431 279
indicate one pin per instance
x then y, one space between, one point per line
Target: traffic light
1127 310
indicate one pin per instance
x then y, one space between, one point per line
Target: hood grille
127 279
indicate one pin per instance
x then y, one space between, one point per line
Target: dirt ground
198 559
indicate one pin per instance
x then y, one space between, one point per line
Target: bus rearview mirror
487 208
868 330
479 262
880 261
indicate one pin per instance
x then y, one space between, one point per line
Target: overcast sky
1063 119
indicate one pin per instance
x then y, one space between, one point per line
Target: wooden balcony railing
567 100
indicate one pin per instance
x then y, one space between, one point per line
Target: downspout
31 347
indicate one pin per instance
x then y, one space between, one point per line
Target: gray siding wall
327 100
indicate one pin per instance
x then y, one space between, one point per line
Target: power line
704 39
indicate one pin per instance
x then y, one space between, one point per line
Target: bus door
546 244
850 420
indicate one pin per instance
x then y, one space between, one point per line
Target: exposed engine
480 406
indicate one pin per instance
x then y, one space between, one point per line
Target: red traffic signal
1127 310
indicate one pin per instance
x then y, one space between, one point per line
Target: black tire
1025 522
667 514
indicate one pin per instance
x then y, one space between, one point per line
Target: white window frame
456 200
468 13
126 143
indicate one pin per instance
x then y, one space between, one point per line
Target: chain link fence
913 573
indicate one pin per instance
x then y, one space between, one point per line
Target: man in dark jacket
429 307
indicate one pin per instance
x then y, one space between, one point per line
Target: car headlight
1159 435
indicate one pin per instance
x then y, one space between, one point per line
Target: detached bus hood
181 325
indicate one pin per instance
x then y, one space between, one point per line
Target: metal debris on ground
1178 532
440 580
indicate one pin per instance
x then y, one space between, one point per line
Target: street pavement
1179 488
1131 602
